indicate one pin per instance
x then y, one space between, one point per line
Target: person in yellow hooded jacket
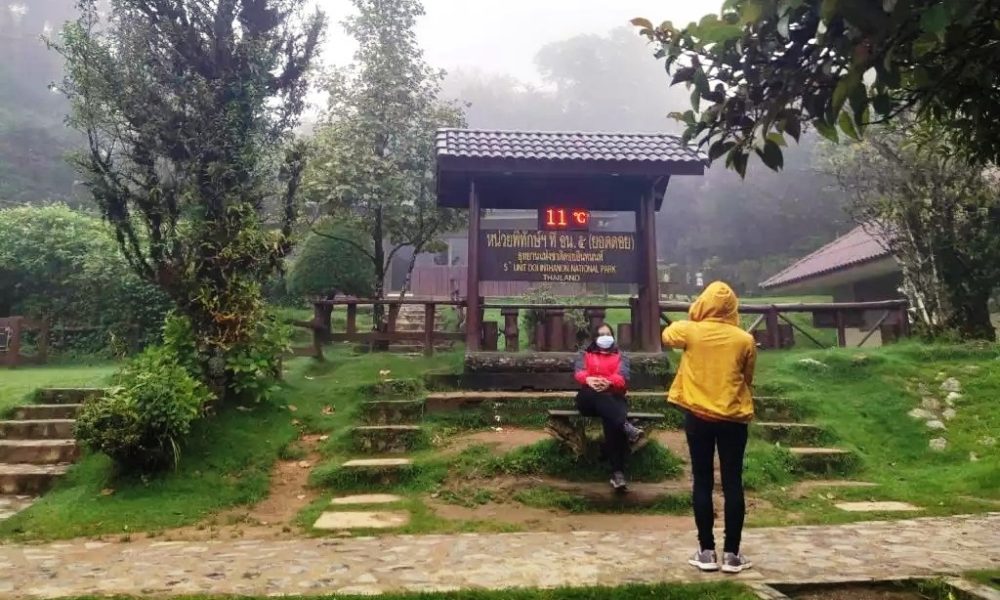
713 388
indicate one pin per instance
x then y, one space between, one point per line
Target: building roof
650 148
523 169
855 248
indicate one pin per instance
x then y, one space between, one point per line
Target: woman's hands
598 384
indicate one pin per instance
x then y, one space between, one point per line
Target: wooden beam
649 295
473 323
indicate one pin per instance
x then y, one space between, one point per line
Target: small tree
762 68
373 167
939 215
327 263
185 104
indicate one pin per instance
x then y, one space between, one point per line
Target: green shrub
64 266
141 421
325 264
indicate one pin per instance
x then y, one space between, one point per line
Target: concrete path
918 547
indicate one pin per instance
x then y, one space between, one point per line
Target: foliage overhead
938 214
762 68
186 106
373 167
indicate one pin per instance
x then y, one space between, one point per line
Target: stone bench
570 428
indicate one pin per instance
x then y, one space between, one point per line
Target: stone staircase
36 443
779 421
391 428
411 319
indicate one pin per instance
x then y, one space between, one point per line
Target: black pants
613 411
731 439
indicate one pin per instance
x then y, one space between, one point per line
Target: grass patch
665 591
767 466
653 463
862 397
18 385
990 577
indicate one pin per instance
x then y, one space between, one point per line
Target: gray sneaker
636 437
735 563
706 560
618 481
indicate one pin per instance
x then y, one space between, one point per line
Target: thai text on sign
558 256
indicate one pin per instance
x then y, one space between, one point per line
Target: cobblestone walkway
918 547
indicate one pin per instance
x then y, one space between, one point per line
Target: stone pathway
919 547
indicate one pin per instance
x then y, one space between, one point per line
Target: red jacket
612 365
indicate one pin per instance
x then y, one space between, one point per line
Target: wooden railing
321 325
552 333
892 321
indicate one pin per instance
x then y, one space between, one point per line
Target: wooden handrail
386 302
557 306
758 309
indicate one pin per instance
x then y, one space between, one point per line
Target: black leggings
731 439
613 411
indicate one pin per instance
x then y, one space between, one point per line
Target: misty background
516 64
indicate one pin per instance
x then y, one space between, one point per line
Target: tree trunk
378 311
409 272
970 317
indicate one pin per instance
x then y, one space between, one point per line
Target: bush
324 265
141 422
64 266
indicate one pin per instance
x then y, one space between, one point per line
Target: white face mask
605 341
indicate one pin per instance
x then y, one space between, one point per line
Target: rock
988 441
952 398
973 457
919 413
938 444
951 385
923 389
930 403
940 376
812 362
935 424
971 369
949 414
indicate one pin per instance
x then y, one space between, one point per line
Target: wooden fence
322 330
892 322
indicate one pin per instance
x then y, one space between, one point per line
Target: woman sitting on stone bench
602 370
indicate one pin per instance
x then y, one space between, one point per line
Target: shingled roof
852 249
655 151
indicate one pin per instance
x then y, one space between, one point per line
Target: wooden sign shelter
12 330
564 176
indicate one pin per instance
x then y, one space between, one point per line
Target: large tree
938 214
375 149
762 68
186 105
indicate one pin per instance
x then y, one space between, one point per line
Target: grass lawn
226 461
707 591
16 385
863 398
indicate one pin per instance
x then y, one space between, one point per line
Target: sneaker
706 560
735 563
636 437
618 481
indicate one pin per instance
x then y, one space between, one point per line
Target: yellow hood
717 303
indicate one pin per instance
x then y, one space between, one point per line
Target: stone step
443 401
366 499
11 505
790 434
346 520
392 412
824 461
67 395
37 429
388 439
38 452
46 411
363 473
20 479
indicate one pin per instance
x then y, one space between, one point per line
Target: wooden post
649 295
596 318
322 319
352 318
510 329
490 335
569 337
904 322
636 318
625 336
393 317
773 335
841 330
473 323
541 338
429 313
554 326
